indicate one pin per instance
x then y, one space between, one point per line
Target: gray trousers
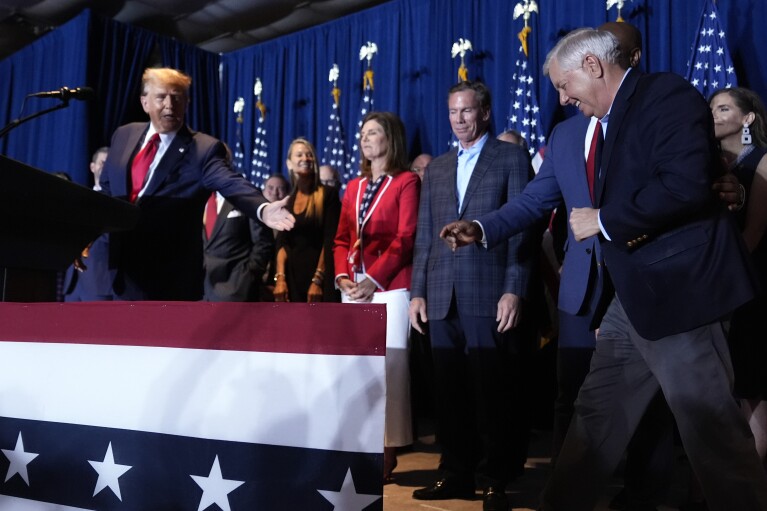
694 372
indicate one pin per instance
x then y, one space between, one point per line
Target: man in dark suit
236 255
474 302
92 282
563 183
170 177
678 266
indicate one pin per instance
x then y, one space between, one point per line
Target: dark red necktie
591 169
211 213
141 164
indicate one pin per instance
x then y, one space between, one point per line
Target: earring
745 136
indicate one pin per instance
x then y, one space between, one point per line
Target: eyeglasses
417 170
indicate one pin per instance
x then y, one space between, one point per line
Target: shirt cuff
483 241
259 213
602 227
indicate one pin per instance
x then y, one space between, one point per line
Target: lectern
45 222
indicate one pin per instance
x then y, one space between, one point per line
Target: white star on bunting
347 499
19 460
109 473
216 489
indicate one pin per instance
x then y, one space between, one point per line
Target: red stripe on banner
328 329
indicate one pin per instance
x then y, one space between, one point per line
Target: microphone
65 94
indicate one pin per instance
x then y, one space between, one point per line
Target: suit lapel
621 104
484 161
170 160
226 208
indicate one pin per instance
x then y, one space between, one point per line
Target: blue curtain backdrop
413 70
413 67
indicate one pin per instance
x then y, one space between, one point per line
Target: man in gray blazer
475 303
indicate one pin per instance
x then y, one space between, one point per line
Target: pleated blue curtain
57 141
413 70
117 62
413 67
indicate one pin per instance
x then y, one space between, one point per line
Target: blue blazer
562 177
675 257
477 276
161 259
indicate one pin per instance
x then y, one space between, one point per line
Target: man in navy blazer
474 301
678 267
161 259
562 183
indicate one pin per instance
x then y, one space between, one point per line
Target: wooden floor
417 468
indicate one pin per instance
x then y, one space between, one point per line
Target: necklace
742 156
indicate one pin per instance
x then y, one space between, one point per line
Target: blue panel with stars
115 469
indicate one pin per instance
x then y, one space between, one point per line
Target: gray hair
572 48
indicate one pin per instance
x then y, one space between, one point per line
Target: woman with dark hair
373 254
304 254
739 124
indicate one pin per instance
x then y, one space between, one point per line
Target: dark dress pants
694 372
482 405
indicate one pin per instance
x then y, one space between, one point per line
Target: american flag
524 116
335 153
238 155
162 406
710 66
367 104
259 168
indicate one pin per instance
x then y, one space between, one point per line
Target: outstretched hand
277 216
460 233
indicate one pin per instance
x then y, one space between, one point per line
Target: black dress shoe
494 499
445 489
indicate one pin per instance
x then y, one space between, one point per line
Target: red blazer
384 243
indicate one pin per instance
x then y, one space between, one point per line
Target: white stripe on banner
16 504
137 388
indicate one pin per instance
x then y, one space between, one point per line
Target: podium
46 223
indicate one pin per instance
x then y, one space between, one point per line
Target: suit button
631 243
588 250
644 236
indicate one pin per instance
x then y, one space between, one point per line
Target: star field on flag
710 65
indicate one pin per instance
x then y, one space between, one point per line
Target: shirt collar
476 148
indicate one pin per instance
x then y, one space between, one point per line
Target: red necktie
211 213
141 164
591 160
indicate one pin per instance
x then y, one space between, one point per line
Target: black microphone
65 94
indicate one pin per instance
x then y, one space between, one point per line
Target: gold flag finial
366 52
333 78
239 106
460 47
617 3
525 9
257 89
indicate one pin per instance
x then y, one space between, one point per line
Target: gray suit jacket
477 276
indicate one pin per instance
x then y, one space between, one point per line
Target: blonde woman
304 262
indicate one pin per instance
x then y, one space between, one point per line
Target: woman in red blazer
373 255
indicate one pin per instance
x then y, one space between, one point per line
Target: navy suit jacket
477 276
236 257
675 257
161 259
95 283
562 177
